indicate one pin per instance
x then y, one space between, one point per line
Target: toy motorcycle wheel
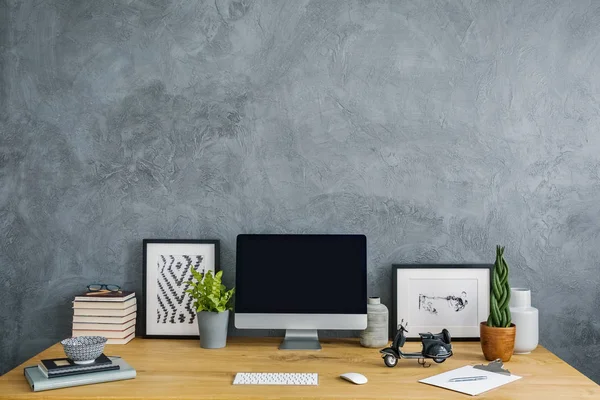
390 360
439 360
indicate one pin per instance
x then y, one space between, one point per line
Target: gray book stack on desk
41 379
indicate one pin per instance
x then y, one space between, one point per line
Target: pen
468 378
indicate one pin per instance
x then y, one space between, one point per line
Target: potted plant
212 303
498 332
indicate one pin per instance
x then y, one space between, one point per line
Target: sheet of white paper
472 387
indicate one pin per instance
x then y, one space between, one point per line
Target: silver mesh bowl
84 349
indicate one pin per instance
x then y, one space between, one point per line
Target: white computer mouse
354 377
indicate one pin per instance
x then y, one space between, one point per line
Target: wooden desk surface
180 369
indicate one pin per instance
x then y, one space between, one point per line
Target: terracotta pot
497 342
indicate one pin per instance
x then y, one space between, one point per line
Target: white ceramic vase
526 319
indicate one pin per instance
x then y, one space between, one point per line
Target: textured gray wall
437 128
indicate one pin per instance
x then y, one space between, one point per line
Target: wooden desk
180 369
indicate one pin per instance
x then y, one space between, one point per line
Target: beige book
88 326
104 312
104 320
121 341
105 305
105 296
107 334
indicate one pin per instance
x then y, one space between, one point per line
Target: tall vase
525 318
376 334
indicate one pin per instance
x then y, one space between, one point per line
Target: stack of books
108 314
63 372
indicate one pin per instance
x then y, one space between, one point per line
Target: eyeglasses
97 287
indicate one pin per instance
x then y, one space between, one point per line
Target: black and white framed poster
431 297
167 310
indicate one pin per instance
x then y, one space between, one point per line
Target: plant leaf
208 292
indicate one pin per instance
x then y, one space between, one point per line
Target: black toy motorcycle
435 346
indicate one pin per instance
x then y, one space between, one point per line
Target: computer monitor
301 283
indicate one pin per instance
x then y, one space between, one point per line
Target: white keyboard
276 378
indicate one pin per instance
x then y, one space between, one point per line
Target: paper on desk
473 388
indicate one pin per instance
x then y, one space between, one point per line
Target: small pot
497 342
212 327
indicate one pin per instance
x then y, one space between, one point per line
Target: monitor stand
300 339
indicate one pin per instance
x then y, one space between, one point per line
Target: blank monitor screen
305 274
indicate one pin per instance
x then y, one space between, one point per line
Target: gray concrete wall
437 128
4 35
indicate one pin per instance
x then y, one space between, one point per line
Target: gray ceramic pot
213 329
376 334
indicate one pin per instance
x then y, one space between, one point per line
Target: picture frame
431 297
166 311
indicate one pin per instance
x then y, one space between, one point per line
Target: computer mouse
354 377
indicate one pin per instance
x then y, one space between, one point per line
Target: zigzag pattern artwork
174 304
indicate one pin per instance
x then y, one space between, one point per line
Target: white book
104 320
118 334
90 326
105 305
104 312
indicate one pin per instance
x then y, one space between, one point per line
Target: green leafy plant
500 294
209 293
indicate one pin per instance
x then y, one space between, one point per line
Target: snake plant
500 293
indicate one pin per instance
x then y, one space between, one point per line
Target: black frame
141 322
396 267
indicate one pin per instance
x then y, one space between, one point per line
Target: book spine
104 320
90 326
97 312
107 334
28 377
121 341
106 376
104 305
85 371
114 299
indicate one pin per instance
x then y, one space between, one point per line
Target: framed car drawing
431 297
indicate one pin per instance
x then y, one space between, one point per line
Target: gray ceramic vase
376 334
213 329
